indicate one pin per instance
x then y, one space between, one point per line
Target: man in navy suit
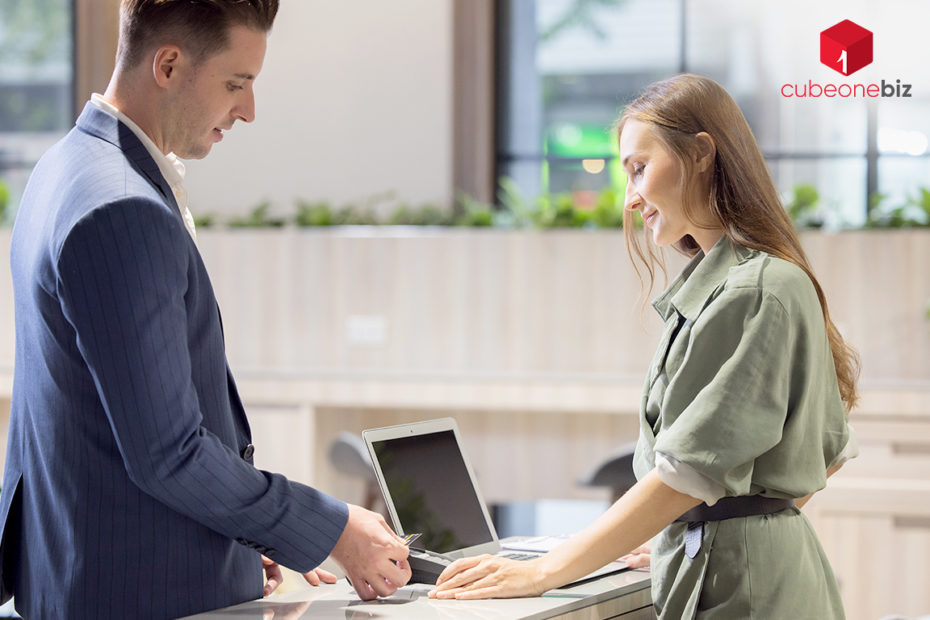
129 489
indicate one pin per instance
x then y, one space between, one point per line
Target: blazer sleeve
122 280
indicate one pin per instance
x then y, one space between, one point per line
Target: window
566 68
36 86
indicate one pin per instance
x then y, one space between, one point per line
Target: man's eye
231 87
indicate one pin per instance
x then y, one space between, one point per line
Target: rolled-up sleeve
728 400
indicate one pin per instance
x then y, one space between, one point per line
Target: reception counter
625 595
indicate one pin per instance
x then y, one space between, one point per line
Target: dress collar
689 292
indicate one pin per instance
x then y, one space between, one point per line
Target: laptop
429 489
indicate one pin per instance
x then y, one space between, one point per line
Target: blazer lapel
100 124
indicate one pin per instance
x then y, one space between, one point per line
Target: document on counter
539 544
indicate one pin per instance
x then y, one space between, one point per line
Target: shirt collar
689 292
169 165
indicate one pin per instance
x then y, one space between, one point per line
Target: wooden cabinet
537 342
873 518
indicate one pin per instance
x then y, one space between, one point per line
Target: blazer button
248 452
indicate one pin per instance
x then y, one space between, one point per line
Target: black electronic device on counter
429 488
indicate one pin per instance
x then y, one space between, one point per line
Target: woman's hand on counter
639 557
488 576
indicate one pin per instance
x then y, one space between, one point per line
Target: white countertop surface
411 602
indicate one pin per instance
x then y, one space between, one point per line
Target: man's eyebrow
245 76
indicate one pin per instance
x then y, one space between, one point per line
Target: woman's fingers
490 577
637 560
458 566
639 557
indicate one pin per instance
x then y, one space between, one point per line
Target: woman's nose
632 199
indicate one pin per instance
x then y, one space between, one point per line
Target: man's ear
705 151
165 64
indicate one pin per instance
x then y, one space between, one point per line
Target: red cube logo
846 47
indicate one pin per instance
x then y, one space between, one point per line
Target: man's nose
245 109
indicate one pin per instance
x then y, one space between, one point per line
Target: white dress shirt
169 165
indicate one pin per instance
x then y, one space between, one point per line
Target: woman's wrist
547 573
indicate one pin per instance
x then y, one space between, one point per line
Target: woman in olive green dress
744 407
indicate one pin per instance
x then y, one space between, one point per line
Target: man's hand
274 576
318 576
373 557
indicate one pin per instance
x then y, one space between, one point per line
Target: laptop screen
432 491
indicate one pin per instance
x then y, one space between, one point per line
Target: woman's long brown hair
743 198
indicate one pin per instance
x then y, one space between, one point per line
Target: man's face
216 94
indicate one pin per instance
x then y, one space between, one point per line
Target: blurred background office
502 294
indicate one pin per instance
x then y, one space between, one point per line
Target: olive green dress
743 390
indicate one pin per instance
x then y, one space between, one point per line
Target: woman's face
654 182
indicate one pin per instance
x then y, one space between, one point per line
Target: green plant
427 215
471 212
204 221
580 14
608 211
4 201
802 208
257 218
559 210
322 214
915 212
355 216
921 202
313 214
516 212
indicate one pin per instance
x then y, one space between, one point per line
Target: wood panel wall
536 342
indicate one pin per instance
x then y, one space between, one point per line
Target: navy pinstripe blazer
126 493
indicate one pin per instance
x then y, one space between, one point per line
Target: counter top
615 594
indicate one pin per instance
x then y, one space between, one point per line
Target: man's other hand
273 575
373 557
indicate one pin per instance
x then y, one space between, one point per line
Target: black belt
726 508
733 507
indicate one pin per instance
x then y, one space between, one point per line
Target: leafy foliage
586 209
257 218
915 212
802 208
4 201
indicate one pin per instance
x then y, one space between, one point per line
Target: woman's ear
705 151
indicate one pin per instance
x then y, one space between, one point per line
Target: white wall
355 99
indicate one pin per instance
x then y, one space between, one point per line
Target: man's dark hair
198 27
